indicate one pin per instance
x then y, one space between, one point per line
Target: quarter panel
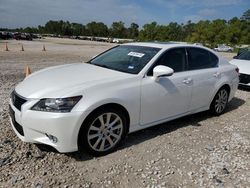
204 83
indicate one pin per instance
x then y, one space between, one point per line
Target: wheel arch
105 106
226 86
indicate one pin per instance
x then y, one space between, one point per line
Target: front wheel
103 132
219 102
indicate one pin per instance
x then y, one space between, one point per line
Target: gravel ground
194 151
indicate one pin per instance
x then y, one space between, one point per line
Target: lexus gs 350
94 105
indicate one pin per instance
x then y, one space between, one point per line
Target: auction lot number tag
136 54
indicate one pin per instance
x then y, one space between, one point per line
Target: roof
159 44
166 45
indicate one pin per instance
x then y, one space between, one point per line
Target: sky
24 13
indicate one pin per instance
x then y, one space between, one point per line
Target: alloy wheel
105 132
221 101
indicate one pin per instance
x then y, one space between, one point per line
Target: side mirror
162 70
235 57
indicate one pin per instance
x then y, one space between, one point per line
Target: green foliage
246 15
118 30
149 32
210 33
133 31
235 31
97 29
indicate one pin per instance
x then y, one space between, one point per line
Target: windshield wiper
105 66
112 68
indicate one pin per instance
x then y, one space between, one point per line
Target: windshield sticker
131 67
136 54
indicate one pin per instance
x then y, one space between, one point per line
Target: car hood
59 80
243 65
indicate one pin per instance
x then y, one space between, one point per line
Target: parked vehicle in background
35 36
5 35
130 87
243 62
198 44
116 40
22 36
223 48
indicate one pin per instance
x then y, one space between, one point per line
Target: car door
204 72
167 96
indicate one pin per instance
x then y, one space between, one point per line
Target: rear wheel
103 132
220 101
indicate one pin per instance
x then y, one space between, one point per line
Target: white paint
147 100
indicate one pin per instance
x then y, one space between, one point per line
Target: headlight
56 105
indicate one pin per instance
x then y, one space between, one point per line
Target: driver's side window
173 58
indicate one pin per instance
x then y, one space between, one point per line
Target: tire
103 131
219 102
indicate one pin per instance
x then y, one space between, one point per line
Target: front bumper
244 85
35 126
244 80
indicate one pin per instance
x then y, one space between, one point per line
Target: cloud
196 10
197 3
32 13
208 3
23 13
193 18
208 13
202 15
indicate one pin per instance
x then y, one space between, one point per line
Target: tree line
233 31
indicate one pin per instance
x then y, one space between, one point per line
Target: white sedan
94 105
243 62
223 48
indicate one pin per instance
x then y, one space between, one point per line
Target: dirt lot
194 151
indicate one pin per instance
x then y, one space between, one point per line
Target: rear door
205 73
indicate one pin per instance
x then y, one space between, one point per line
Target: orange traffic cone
22 48
44 48
27 71
6 47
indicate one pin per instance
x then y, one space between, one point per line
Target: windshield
244 55
127 58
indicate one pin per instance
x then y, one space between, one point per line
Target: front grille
17 126
244 78
17 100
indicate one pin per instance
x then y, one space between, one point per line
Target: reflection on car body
130 87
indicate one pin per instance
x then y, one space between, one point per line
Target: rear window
201 59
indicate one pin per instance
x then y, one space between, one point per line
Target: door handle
187 81
217 74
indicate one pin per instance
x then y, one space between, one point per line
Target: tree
41 29
175 32
97 29
133 31
234 31
78 29
188 29
149 32
30 30
118 30
246 15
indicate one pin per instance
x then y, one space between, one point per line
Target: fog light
52 138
